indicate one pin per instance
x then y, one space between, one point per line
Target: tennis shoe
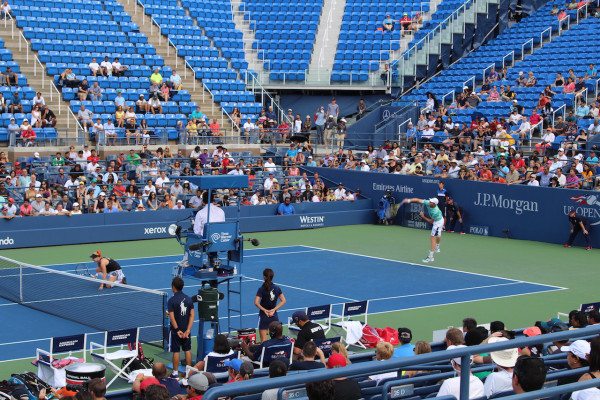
428 260
437 250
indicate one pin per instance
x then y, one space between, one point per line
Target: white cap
457 360
580 348
504 358
76 204
434 200
38 196
102 194
179 201
36 154
579 156
561 149
331 116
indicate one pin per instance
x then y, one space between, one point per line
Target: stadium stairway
328 33
202 97
36 77
243 25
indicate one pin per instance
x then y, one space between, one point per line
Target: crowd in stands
493 375
79 182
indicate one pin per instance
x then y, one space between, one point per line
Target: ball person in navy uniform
181 317
266 301
578 225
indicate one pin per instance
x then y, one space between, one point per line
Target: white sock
431 254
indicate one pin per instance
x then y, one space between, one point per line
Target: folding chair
325 344
317 314
350 326
127 342
273 352
217 364
49 367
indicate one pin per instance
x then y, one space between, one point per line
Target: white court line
307 290
172 255
303 308
440 268
162 263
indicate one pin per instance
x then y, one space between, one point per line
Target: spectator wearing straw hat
451 386
500 380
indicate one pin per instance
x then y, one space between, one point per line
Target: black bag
13 391
32 383
139 362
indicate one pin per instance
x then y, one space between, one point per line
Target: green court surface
574 269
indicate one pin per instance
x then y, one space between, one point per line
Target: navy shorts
177 344
264 321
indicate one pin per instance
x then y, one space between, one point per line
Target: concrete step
38 80
160 43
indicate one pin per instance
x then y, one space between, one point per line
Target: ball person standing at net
109 269
181 317
266 302
436 218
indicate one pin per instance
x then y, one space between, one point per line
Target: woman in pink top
572 180
494 95
570 86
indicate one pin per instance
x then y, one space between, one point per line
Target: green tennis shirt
434 212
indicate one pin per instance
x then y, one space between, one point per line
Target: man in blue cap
308 331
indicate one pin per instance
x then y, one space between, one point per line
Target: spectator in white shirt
363 166
92 166
270 165
515 118
236 171
162 180
38 100
179 205
501 380
268 183
94 67
149 188
254 199
86 151
117 68
110 132
451 386
524 128
106 66
340 192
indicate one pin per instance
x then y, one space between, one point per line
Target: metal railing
265 95
395 364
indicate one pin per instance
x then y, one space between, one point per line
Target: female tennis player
266 301
437 220
109 269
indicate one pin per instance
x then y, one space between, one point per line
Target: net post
20 283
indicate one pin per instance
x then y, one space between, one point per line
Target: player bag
389 335
140 362
32 383
13 391
370 337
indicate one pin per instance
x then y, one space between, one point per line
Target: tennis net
78 298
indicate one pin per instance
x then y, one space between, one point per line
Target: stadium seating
217 58
285 35
74 48
362 45
545 62
26 94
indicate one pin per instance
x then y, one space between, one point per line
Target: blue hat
299 316
234 364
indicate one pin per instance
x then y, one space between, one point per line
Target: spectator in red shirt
518 162
26 209
93 158
27 133
485 174
535 118
119 189
405 22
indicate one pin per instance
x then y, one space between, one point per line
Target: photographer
221 348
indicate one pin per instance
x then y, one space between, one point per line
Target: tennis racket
84 270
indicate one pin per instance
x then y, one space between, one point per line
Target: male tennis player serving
437 220
109 269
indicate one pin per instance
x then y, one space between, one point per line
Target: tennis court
308 275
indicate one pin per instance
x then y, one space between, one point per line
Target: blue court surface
309 276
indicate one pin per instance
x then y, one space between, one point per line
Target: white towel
353 331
